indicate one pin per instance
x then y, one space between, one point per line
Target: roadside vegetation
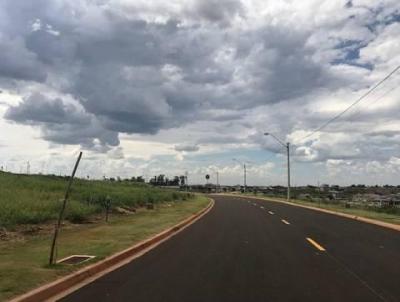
30 204
23 261
36 199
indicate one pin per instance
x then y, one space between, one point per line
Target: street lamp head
266 133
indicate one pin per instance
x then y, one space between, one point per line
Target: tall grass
32 199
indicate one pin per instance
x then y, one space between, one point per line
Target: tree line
162 180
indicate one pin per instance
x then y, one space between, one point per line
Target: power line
373 101
352 105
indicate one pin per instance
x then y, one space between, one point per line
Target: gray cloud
37 108
62 123
187 148
217 11
17 62
387 133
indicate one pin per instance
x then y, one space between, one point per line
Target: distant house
360 197
377 200
324 187
336 195
305 196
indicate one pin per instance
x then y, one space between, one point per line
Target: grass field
23 263
33 199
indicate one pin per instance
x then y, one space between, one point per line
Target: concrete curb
77 279
387 225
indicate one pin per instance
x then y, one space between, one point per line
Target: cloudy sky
145 87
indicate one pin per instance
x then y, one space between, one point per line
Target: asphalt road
246 250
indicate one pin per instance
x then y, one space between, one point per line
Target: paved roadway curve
246 250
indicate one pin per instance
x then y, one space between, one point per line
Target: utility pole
217 182
244 174
288 170
244 177
28 168
287 146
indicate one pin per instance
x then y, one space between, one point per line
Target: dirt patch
23 232
6 235
124 210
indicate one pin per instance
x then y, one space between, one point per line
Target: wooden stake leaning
60 216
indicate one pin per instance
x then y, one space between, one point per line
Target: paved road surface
246 250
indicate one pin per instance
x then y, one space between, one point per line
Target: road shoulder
387 225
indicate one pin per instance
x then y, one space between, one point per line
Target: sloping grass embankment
36 199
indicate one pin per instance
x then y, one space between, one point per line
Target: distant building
378 200
324 187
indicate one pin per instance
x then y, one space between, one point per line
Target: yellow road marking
319 247
285 221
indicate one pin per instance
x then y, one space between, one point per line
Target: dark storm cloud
62 123
125 99
39 109
50 48
17 62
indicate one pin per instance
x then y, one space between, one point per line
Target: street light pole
244 174
217 182
287 146
186 180
244 177
288 170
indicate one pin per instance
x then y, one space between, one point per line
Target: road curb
387 225
49 291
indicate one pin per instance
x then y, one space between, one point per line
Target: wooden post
107 206
60 216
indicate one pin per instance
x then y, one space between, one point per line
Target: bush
78 212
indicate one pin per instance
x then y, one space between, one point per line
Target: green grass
23 265
33 199
390 215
